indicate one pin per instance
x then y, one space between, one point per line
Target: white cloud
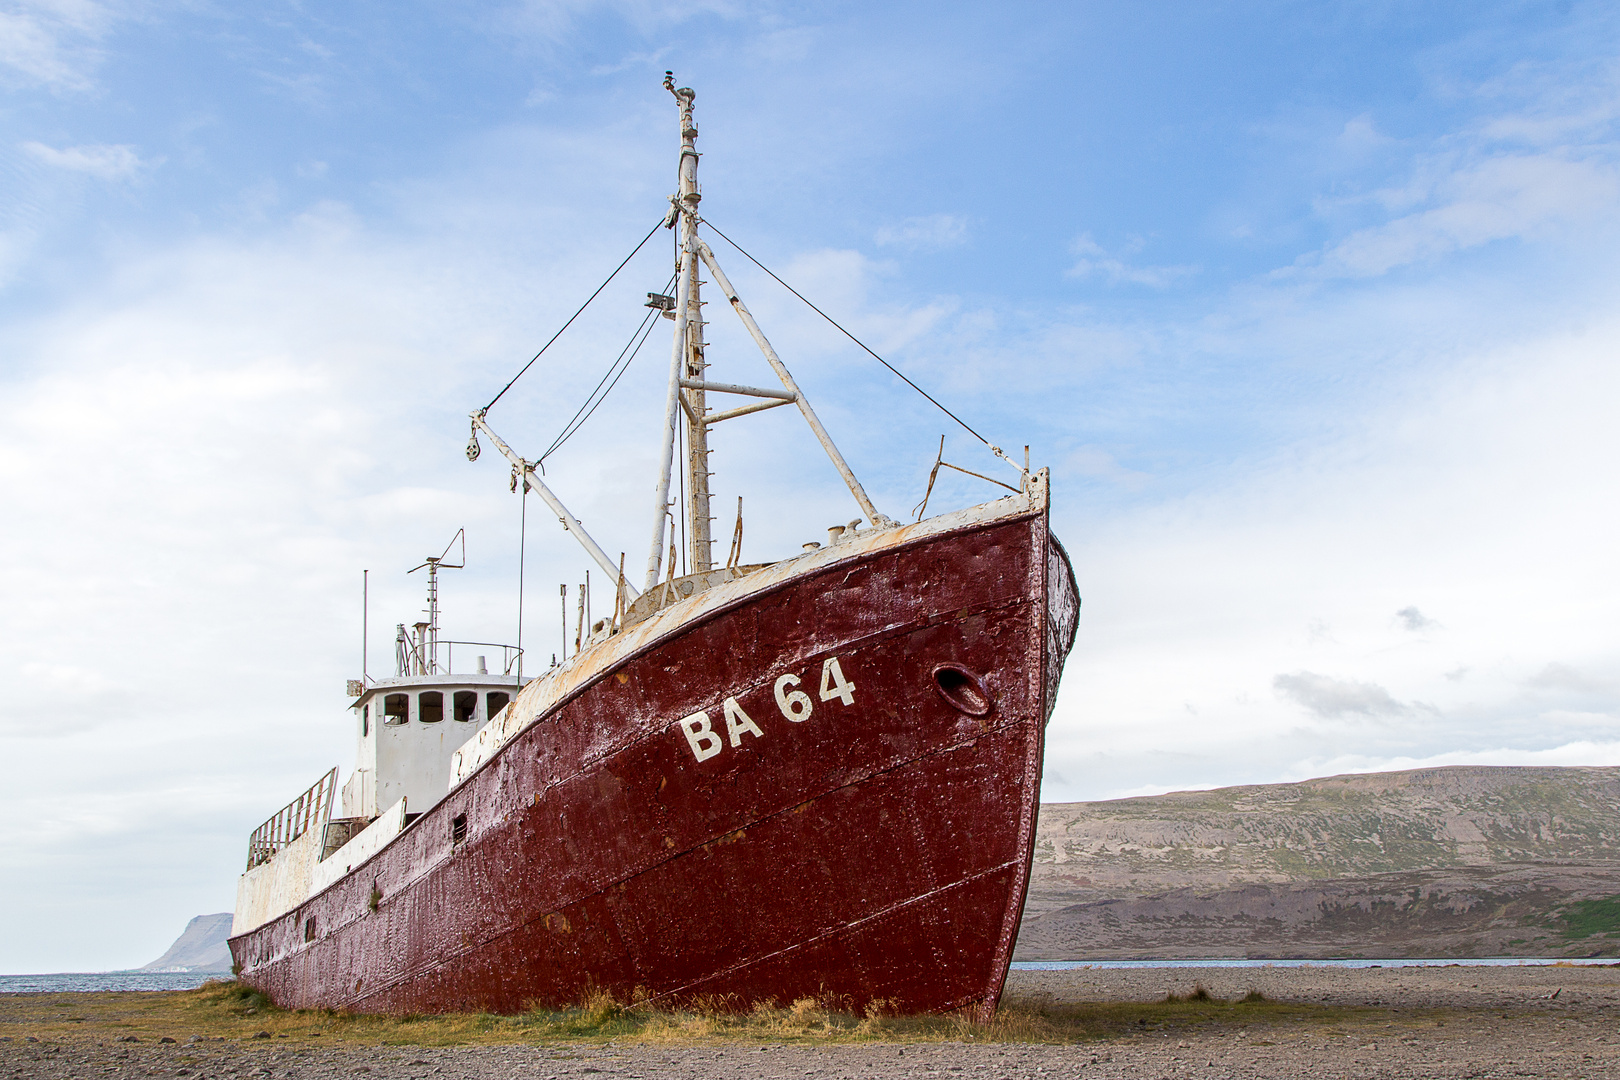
1539 164
197 458
108 162
1099 464
51 43
1332 698
633 60
1414 620
1504 197
1469 492
930 233
1096 261
1570 755
1556 676
548 22
1576 754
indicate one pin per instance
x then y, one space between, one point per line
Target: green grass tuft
1584 918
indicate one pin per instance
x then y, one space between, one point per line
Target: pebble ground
1411 1022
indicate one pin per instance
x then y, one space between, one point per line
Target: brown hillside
1455 861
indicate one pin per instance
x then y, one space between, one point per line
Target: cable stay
574 316
994 449
687 416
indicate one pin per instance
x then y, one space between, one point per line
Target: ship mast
692 397
688 382
686 349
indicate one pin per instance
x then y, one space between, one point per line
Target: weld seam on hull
473 947
828 935
884 634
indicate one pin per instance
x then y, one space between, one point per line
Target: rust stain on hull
876 848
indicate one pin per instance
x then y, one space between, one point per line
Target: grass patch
233 1012
1584 918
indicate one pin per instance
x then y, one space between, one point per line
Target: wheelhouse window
430 706
365 720
396 708
495 703
466 705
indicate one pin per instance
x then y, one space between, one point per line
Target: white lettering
705 743
833 684
738 722
795 704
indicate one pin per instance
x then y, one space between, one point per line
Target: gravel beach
1405 1022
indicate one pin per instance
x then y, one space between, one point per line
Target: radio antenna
434 563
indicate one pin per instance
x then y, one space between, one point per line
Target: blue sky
1309 307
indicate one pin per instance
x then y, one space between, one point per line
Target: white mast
688 386
686 344
688 390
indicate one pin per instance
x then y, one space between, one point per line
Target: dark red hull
878 850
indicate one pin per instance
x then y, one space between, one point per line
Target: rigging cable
576 314
859 342
594 400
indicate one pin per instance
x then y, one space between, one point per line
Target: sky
1309 307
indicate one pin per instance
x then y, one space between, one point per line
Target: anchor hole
964 690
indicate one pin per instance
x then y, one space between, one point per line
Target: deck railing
309 811
414 657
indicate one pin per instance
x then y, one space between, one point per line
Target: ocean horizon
79 981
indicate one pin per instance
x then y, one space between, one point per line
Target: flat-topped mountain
200 946
1469 860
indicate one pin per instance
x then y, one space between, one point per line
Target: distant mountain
1464 861
200 947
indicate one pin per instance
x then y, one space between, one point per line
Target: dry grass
230 1011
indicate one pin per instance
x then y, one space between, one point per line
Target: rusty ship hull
677 824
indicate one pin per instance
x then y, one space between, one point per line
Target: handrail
509 655
310 810
422 663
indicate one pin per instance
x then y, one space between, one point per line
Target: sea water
106 980
1498 961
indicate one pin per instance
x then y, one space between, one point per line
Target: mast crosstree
688 384
687 417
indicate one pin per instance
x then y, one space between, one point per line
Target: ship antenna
428 646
